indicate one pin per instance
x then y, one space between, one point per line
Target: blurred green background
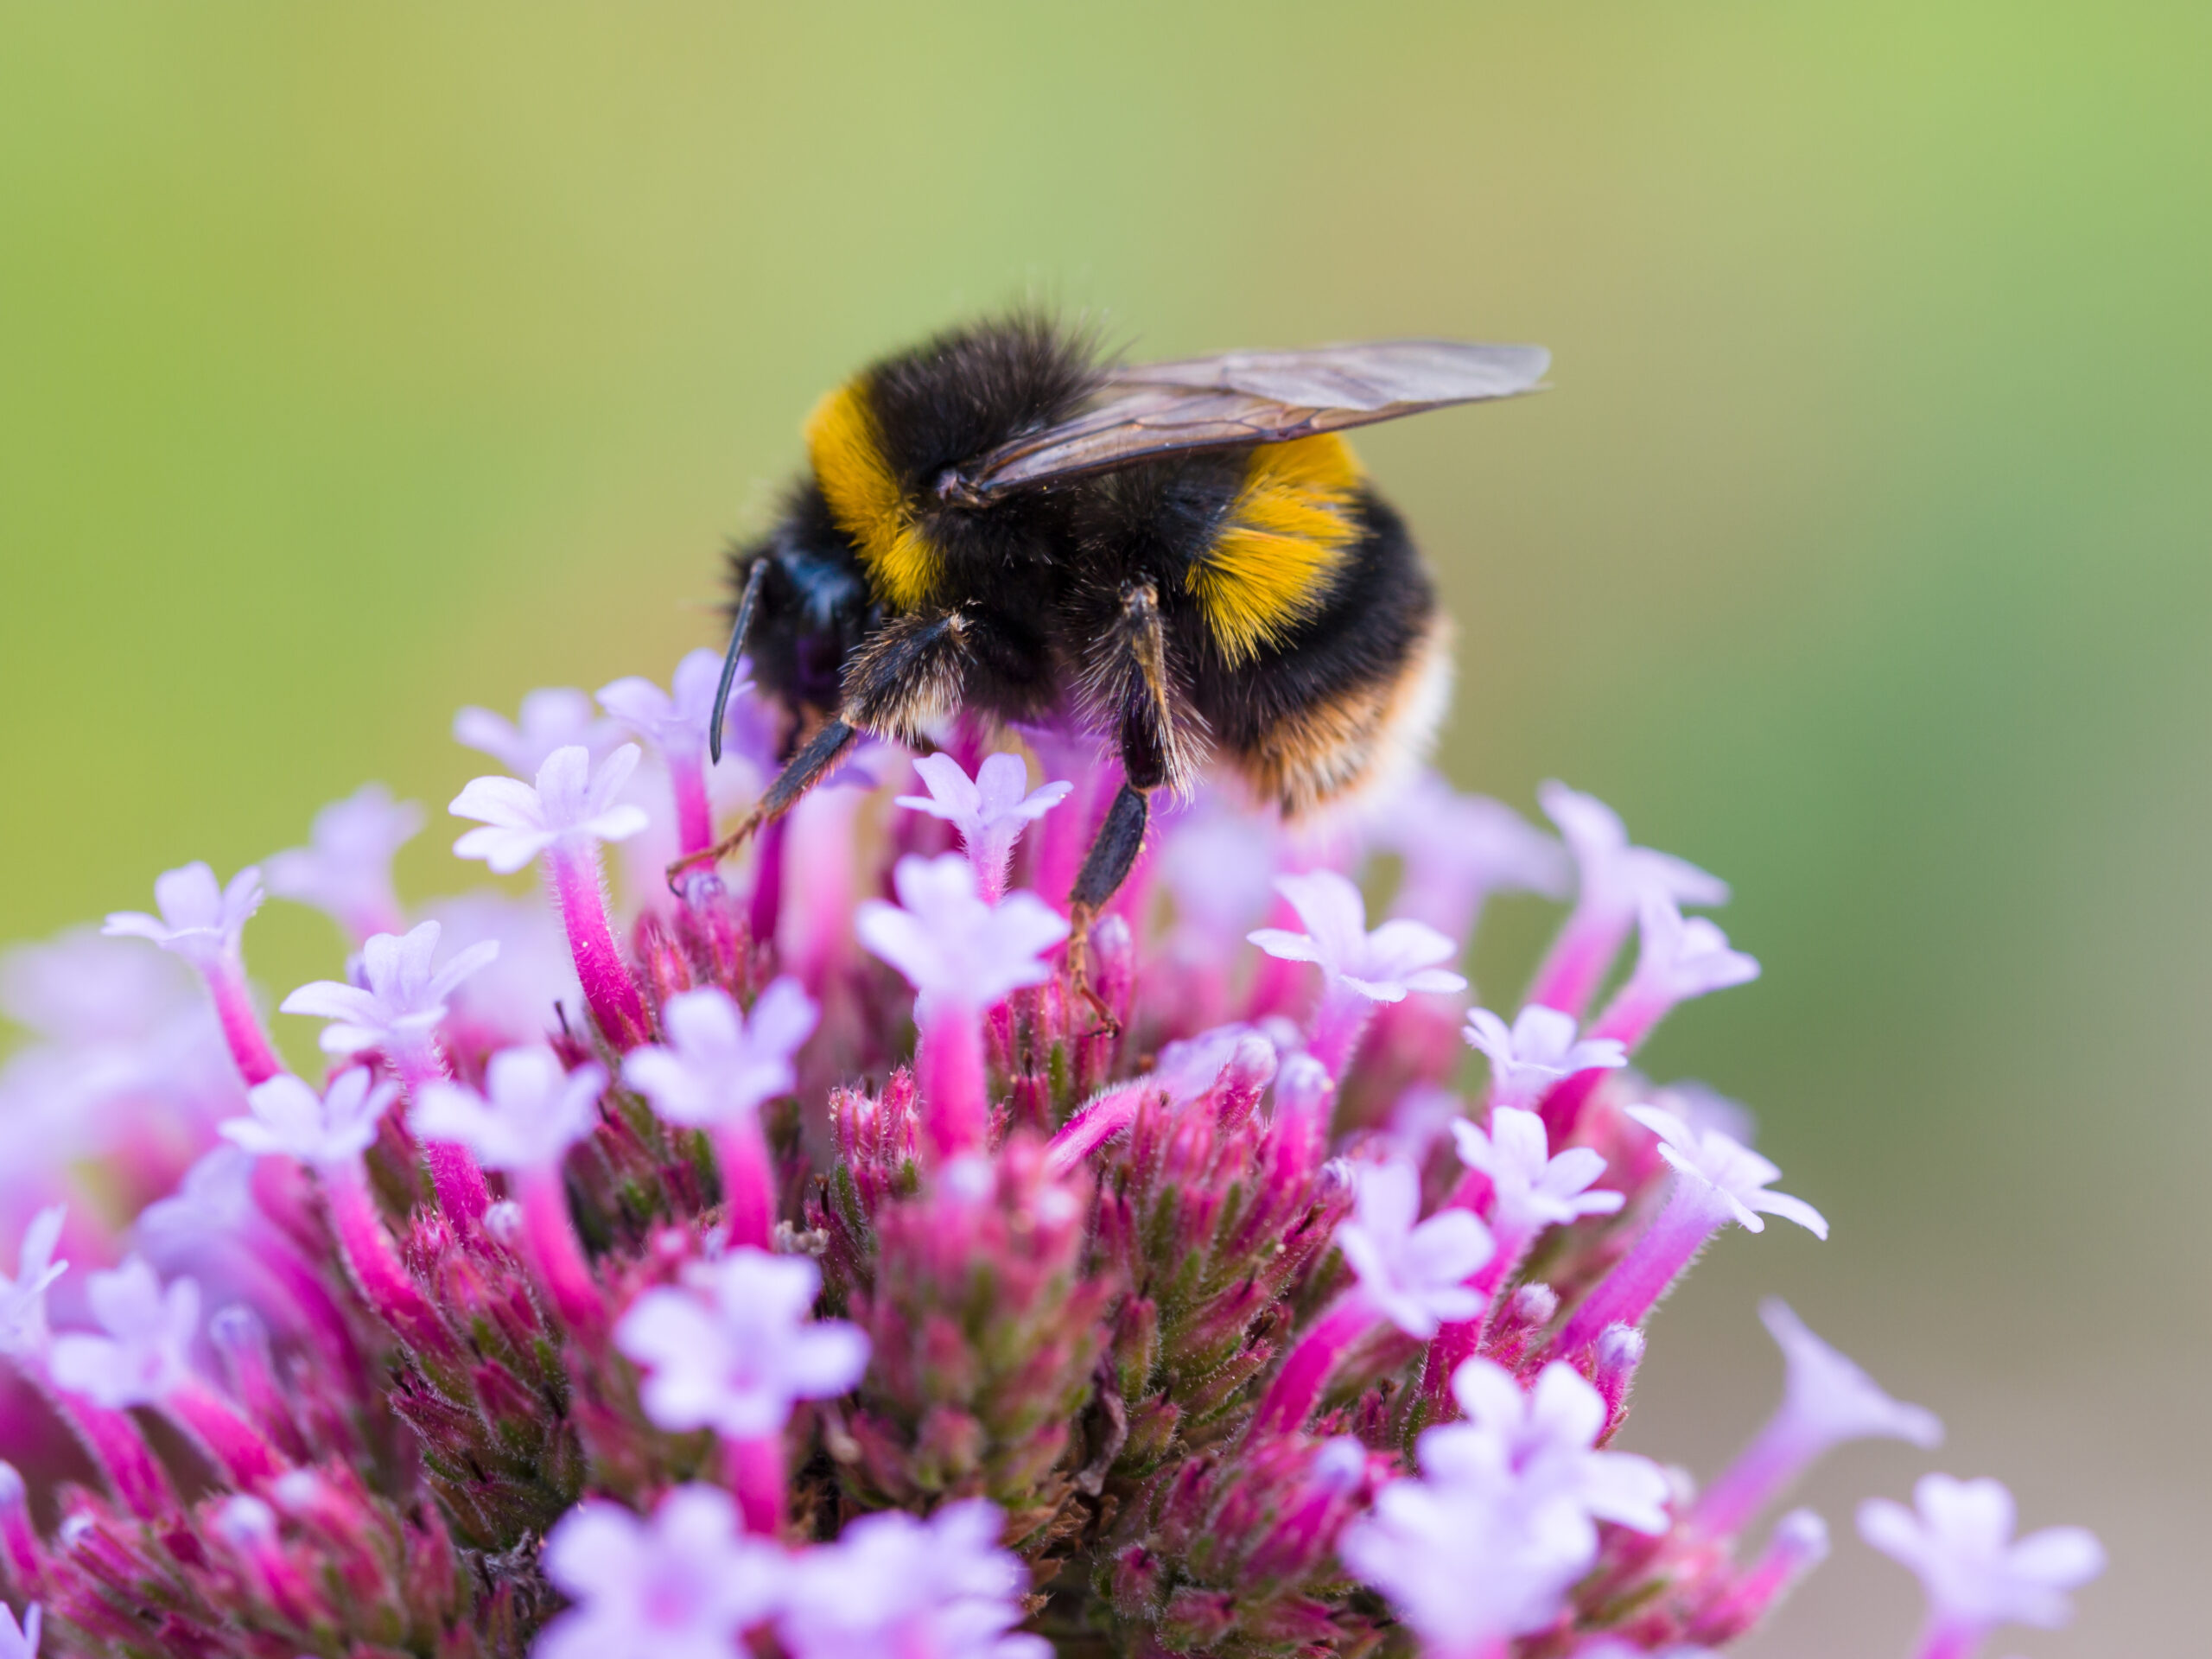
359 363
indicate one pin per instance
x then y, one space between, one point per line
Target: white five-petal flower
684 1585
346 867
738 1346
1828 1400
400 998
529 1116
894 1585
199 919
23 1299
1679 957
1959 1543
1538 1050
990 810
1533 1189
1735 1174
1613 876
571 802
553 717
143 1355
1382 965
719 1065
1542 1440
1414 1272
952 945
291 1120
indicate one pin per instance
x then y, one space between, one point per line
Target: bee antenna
738 630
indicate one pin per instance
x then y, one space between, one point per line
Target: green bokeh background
359 363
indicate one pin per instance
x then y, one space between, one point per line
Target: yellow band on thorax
846 449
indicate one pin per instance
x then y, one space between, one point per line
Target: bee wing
1241 397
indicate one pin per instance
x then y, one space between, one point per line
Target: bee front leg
1105 866
801 773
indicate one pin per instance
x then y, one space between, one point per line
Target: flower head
1415 1275
346 867
1680 957
990 810
1458 849
401 998
571 800
949 943
144 1354
1613 876
734 1349
1535 1052
23 1299
1959 1543
529 1114
1829 1400
719 1064
936 1589
675 724
682 1585
1733 1170
200 920
291 1120
1541 1441
1533 1190
1383 966
552 718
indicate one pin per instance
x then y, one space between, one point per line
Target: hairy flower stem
1290 1398
462 1193
949 1066
117 1449
1093 1125
695 813
754 1468
249 1044
1950 1638
1458 1340
555 1255
1339 1024
768 881
376 1267
748 1171
1779 1453
1694 1211
613 995
1578 960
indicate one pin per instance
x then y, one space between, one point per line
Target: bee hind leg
1105 866
801 773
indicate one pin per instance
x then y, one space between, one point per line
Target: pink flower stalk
553 717
894 1586
685 1585
676 722
1458 849
1537 1051
733 1352
963 956
990 810
1613 878
1678 959
1799 1543
1413 1274
345 870
530 1115
563 819
396 1010
1360 968
203 923
1960 1544
1717 1180
1826 1401
720 1068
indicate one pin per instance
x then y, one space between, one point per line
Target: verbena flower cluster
795 1264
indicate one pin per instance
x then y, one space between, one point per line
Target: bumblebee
1183 558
